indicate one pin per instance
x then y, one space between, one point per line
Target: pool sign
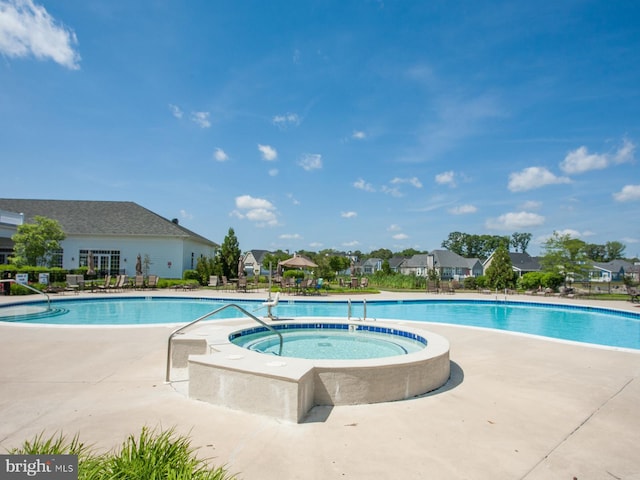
22 279
43 278
50 467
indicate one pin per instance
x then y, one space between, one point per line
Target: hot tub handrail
30 288
204 317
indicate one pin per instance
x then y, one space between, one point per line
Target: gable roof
258 254
100 218
613 266
524 262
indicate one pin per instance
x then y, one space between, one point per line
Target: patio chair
152 281
107 283
74 283
242 285
139 282
634 294
364 282
120 283
213 281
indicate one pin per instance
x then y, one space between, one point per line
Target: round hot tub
331 341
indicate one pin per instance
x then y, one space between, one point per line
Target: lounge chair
213 281
139 282
152 281
120 283
74 283
107 283
242 285
634 294
364 282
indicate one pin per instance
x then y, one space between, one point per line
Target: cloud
463 209
349 214
628 193
446 178
28 29
353 243
293 199
400 236
515 221
257 210
358 135
283 121
273 172
185 214
393 191
393 228
290 236
175 111
360 184
531 205
580 160
411 181
220 156
533 177
201 119
630 240
268 152
311 161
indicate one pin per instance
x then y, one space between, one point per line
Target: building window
105 262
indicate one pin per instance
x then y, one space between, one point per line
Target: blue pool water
330 341
581 324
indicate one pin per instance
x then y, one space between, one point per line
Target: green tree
566 256
500 274
594 252
382 253
230 255
36 243
456 242
520 241
409 252
615 250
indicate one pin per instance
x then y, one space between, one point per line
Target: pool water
575 323
330 343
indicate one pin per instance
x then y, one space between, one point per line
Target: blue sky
352 125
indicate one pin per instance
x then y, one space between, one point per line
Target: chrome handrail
30 288
210 314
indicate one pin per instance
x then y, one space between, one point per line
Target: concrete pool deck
515 407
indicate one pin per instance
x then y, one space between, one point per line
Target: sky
347 125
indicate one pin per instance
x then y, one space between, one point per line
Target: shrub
191 275
481 281
470 283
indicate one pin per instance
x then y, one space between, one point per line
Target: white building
115 232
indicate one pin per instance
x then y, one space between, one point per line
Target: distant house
417 265
395 263
451 266
521 263
114 232
614 270
371 266
254 262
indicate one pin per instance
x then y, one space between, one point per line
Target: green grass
151 455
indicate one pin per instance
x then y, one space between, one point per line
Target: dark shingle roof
97 218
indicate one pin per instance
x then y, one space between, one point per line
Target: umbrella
139 265
298 262
91 269
240 268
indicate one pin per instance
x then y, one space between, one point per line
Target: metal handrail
30 288
167 377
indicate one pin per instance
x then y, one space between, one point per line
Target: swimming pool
567 322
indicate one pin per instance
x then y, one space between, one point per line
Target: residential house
521 263
614 270
254 262
417 265
371 266
395 263
115 232
451 266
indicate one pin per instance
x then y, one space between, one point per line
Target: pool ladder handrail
204 317
30 288
364 304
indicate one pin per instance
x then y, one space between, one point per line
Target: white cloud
349 214
446 178
201 119
283 121
414 181
273 172
360 184
630 240
628 193
393 228
533 177
28 29
311 161
268 152
186 215
293 199
580 160
316 244
353 243
175 111
358 135
258 210
463 209
515 221
220 156
400 236
531 205
569 231
290 236
393 191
